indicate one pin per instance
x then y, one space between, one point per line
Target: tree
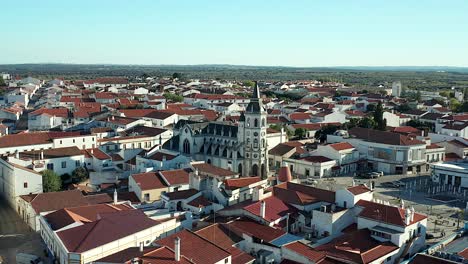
300 133
367 122
2 82
444 94
380 122
176 75
51 182
249 83
80 174
322 133
173 97
403 108
454 104
465 93
370 107
418 96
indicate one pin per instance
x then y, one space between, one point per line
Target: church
242 147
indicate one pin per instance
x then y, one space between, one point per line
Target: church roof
255 105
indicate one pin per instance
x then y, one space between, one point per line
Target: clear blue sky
253 32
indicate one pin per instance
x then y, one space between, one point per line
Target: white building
453 174
396 89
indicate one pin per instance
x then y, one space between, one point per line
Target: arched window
255 143
263 142
255 170
186 146
263 172
255 122
263 122
239 169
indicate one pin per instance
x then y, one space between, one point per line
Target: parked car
23 258
372 175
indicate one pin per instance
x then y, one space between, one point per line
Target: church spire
256 91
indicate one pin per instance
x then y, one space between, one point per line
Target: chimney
92 151
177 249
142 246
17 154
42 154
262 209
402 204
113 117
115 196
412 214
407 216
164 158
257 194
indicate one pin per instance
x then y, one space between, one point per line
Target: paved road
16 236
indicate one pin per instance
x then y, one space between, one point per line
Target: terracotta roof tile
149 181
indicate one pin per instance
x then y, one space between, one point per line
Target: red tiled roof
254 229
300 116
219 234
200 202
428 259
313 126
149 181
233 184
60 112
358 189
180 195
206 168
275 208
357 247
464 253
195 247
160 255
406 130
46 202
302 194
174 177
386 213
341 146
109 228
316 159
136 112
306 251
97 153
83 214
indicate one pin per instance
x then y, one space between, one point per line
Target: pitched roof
149 181
83 214
233 184
195 247
300 194
428 259
275 208
180 195
200 202
386 213
209 169
219 234
358 247
358 189
383 137
254 229
51 153
306 251
46 202
110 227
160 255
341 146
174 177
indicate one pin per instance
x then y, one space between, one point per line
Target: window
73 141
64 164
25 185
77 163
255 122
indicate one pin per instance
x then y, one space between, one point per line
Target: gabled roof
300 194
275 208
386 213
233 184
109 228
357 247
83 214
205 168
180 195
383 137
46 202
160 255
174 177
254 229
306 251
149 181
195 247
51 153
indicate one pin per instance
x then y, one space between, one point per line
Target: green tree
444 94
51 182
300 133
403 108
2 82
465 93
454 104
417 97
370 107
322 133
173 97
380 122
249 83
367 122
176 75
80 174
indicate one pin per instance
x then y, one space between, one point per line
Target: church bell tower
255 137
